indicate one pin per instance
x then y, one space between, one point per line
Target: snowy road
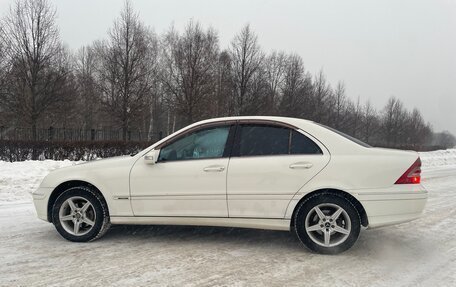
420 253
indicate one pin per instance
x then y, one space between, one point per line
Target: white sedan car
254 172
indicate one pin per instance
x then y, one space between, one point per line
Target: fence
64 134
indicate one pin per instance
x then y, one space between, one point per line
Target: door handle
301 165
214 168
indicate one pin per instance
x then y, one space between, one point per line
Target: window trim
228 146
234 133
193 129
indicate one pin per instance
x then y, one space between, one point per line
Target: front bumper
40 200
397 204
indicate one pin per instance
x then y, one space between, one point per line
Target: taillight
411 175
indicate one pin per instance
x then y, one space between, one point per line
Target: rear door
268 165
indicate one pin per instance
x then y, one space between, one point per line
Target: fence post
129 135
160 135
92 134
51 133
2 129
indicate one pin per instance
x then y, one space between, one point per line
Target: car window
300 144
205 143
263 140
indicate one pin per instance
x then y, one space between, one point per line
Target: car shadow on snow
204 235
373 242
381 242
385 243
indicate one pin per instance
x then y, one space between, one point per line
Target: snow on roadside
438 158
19 179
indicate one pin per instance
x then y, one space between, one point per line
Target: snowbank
438 158
19 179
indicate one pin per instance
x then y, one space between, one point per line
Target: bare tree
322 91
225 104
293 83
274 68
416 131
3 62
357 118
445 139
246 57
3 86
85 73
126 66
38 65
368 122
153 86
189 69
392 121
257 103
339 104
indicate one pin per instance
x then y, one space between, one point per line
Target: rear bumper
397 204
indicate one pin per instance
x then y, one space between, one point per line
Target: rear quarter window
300 144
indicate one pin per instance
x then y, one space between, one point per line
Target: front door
189 178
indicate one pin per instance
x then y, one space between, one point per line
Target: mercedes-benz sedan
254 172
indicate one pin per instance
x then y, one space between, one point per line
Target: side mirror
149 158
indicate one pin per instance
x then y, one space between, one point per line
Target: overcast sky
378 48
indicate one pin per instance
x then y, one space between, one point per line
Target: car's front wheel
327 223
79 214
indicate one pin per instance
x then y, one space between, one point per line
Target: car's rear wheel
79 214
327 223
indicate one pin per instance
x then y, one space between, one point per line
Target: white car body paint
254 192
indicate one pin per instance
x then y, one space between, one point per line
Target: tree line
134 79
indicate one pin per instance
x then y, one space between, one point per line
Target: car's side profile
256 172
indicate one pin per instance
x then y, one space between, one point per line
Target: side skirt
257 223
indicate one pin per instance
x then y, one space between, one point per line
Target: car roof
288 120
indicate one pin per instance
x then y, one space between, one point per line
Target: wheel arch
359 207
66 185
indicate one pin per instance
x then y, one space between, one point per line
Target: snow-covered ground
19 179
419 253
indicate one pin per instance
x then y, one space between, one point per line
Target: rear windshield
355 140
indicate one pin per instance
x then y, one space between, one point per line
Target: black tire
350 220
100 210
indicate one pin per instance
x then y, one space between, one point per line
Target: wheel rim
328 224
77 216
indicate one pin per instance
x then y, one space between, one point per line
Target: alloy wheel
328 225
77 216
